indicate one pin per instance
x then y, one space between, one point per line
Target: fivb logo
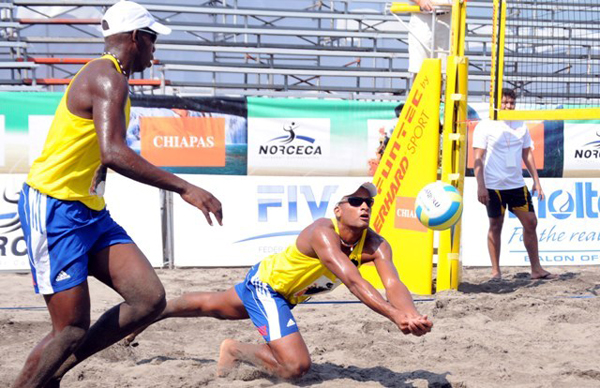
291 195
295 139
580 202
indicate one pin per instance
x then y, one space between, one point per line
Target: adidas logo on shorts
291 323
62 275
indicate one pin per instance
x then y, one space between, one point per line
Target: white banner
261 216
568 229
13 249
582 148
134 206
284 145
39 125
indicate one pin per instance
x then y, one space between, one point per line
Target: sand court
513 333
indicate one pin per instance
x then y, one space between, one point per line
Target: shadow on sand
508 285
321 373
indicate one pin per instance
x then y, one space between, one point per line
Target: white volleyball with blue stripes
438 205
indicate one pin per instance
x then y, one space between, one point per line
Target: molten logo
582 202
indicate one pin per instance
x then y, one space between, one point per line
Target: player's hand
414 324
483 196
426 5
538 189
205 201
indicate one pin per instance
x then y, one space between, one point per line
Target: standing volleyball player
326 254
69 232
500 146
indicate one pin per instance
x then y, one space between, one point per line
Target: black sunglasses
357 201
148 31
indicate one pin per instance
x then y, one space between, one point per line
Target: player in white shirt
499 148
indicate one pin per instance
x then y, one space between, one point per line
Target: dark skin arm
108 91
325 243
398 295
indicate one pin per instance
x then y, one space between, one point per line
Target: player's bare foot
227 361
543 275
496 277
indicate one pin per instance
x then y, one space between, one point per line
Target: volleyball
438 205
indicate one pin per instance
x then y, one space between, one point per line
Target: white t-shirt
504 142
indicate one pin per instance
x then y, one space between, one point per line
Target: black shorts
517 199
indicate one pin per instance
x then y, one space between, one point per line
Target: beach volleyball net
548 51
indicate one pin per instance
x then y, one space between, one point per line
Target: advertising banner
13 248
317 137
27 118
191 135
261 216
582 150
568 229
134 206
183 141
2 141
186 135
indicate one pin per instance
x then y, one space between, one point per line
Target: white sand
517 333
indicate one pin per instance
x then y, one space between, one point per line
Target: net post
454 147
166 218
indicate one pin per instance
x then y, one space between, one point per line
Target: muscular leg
124 268
285 357
70 316
529 222
220 305
494 237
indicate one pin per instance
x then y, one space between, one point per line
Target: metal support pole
166 218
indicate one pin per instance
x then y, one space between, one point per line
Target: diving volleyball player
326 254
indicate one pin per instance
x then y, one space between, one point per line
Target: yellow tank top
298 277
69 167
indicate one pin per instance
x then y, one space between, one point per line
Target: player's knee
72 335
530 225
496 227
297 368
153 303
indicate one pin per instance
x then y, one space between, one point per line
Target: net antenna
547 51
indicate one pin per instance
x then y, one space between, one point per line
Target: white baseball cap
126 16
370 187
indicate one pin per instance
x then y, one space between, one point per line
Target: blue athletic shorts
270 312
60 235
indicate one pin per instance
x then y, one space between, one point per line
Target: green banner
317 137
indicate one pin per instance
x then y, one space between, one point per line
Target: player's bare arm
529 161
110 93
326 245
408 318
482 193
